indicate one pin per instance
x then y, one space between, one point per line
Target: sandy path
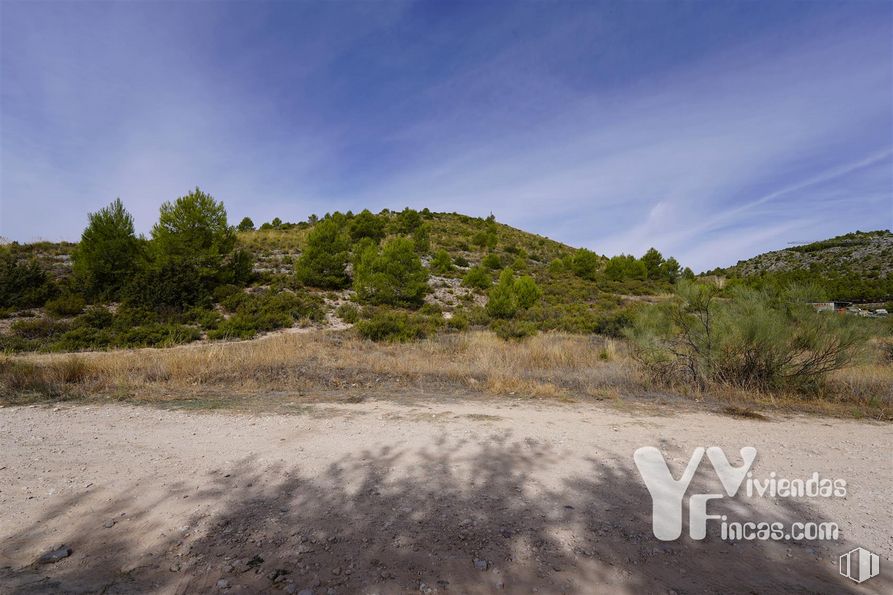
460 496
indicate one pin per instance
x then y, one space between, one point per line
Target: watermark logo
668 494
860 565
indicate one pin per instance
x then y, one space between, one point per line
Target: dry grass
550 365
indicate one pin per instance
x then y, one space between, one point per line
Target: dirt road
459 496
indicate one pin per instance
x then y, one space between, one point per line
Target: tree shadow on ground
458 517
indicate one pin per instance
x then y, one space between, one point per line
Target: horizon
711 132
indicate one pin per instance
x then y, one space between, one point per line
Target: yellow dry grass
548 365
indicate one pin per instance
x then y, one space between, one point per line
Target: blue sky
711 130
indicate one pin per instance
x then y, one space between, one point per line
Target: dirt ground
459 495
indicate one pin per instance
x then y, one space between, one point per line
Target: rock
481 564
175 568
305 592
336 571
223 584
109 524
55 555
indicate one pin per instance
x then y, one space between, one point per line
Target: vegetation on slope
856 266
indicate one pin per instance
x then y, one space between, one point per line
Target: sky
711 130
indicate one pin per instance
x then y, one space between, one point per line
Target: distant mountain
854 266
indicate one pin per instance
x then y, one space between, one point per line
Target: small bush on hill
513 329
324 261
753 339
67 304
477 278
395 326
441 262
348 312
584 263
492 262
393 275
23 284
108 252
367 225
510 295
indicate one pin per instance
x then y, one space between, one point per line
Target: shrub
624 266
407 221
477 278
513 329
166 286
22 284
441 262
584 263
38 328
192 234
458 321
348 312
393 275
85 337
157 334
460 261
68 304
265 311
324 261
526 291
108 252
754 339
395 326
421 240
501 299
96 317
491 261
367 225
246 224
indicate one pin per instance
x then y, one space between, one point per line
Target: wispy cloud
711 134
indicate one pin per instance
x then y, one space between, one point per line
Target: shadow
457 517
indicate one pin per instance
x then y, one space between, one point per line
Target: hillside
854 266
259 284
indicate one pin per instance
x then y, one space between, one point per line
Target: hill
856 266
271 277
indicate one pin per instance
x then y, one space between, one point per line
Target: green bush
96 317
157 334
67 304
323 263
513 329
477 278
108 252
492 262
584 263
406 222
510 295
246 224
265 311
395 326
85 337
38 328
348 312
460 261
752 339
367 225
393 275
23 284
441 262
527 292
624 267
458 322
501 299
